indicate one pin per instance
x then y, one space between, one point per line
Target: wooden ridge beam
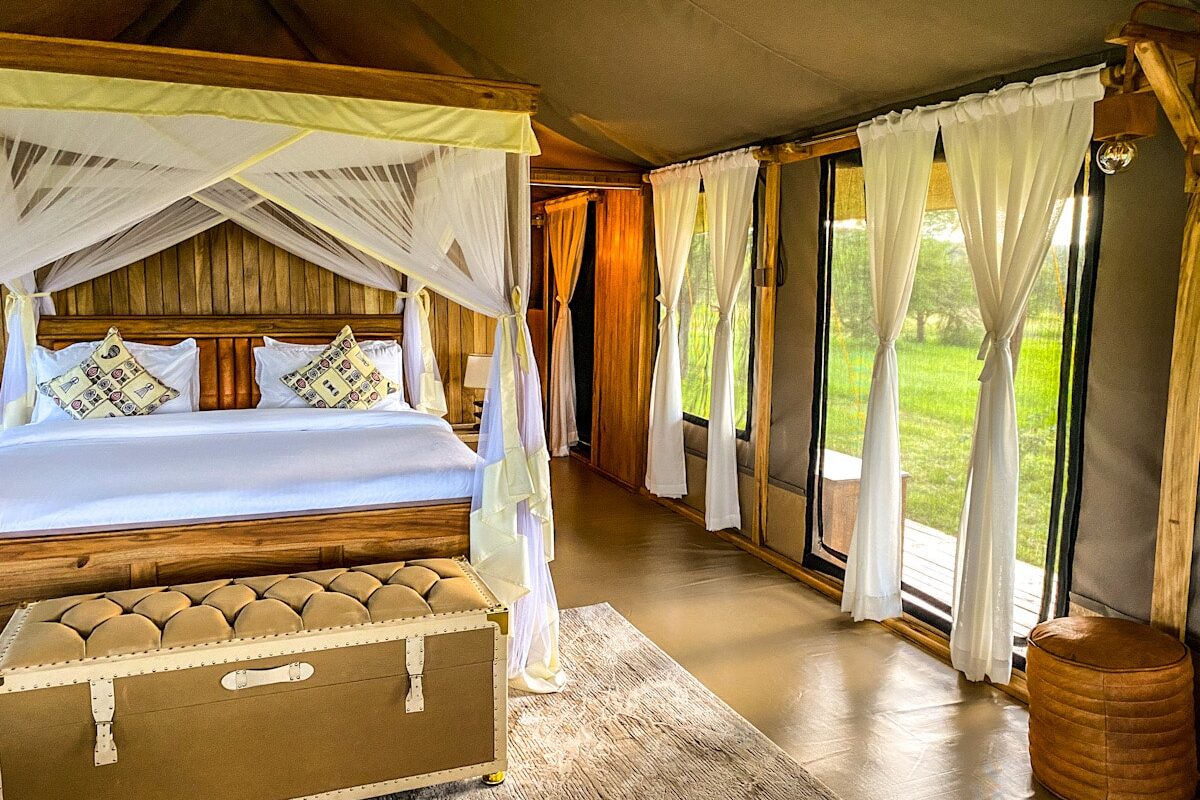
175 65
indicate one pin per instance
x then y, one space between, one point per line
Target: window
939 387
697 329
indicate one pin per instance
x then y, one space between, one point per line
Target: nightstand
469 434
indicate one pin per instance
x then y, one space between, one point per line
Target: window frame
744 434
1064 520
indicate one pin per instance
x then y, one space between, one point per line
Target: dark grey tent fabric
1133 325
642 81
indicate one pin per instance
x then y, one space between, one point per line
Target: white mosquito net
446 204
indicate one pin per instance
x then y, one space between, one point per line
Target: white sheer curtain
676 194
729 204
367 198
70 179
21 311
566 224
175 223
268 221
421 373
279 226
1013 156
897 153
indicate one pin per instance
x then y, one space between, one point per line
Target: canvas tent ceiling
648 82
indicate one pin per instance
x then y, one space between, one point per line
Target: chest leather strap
104 703
414 658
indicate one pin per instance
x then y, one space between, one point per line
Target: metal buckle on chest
104 704
414 660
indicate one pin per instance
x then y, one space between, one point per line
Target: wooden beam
827 145
1181 446
173 65
85 328
1175 96
765 279
584 179
1132 32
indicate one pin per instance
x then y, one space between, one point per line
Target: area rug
632 723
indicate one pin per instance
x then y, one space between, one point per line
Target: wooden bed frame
56 564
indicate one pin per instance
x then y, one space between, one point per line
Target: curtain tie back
987 347
422 298
15 296
669 313
516 315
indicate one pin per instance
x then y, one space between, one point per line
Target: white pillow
275 359
176 365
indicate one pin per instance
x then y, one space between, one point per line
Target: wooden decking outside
929 567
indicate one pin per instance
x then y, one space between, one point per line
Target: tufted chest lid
148 620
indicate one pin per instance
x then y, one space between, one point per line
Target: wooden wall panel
624 336
228 270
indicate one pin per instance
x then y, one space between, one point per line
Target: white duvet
176 468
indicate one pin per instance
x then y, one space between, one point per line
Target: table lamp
479 369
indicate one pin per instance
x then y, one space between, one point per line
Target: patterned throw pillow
340 377
108 383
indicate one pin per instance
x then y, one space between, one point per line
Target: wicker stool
1110 711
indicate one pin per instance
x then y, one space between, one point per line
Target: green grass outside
939 388
699 337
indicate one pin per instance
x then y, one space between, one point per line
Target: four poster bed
138 540
411 184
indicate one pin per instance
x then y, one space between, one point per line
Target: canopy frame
177 65
475 141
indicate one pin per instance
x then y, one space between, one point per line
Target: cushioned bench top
151 619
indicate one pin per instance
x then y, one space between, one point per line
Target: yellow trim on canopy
484 129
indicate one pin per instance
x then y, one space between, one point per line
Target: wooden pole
764 352
1181 444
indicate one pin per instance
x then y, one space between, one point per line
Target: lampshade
479 367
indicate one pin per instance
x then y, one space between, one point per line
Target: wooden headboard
225 342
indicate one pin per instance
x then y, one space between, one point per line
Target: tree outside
698 325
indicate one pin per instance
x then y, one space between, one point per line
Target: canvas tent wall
686 113
675 100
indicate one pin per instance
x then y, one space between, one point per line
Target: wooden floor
871 715
929 558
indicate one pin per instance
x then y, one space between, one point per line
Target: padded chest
354 682
166 617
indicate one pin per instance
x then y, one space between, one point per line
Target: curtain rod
844 139
538 218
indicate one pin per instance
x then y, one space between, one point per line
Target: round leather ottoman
1110 710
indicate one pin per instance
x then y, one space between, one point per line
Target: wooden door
625 334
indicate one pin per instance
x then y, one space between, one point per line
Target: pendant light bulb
1117 156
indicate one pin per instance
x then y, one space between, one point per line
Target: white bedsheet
176 468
